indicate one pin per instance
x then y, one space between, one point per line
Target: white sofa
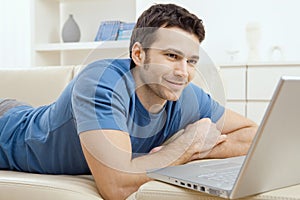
42 85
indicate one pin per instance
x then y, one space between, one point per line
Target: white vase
253 36
70 30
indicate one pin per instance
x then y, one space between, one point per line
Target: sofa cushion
19 185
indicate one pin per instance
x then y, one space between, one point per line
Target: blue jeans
6 104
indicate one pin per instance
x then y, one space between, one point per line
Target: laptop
272 162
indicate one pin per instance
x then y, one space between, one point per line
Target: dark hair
164 15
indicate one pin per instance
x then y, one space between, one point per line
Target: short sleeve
99 98
197 104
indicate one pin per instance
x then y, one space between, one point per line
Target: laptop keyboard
226 176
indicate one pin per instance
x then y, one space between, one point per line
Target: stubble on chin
169 94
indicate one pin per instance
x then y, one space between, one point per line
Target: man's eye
192 62
171 55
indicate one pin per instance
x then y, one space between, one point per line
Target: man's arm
240 132
117 175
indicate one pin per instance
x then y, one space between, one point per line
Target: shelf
47 46
123 44
66 1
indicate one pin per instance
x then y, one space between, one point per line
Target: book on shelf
114 30
125 31
108 30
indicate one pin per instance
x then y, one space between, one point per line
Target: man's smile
175 84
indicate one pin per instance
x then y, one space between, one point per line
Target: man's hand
202 139
240 132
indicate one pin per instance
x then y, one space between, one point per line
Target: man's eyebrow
180 53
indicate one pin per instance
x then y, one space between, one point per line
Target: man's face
170 63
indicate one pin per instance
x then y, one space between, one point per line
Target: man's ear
138 54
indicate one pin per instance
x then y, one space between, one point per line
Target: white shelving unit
48 17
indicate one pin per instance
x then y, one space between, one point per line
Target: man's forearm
236 144
117 180
130 182
175 153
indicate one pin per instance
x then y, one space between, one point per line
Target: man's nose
181 68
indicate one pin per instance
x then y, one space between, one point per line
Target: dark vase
70 30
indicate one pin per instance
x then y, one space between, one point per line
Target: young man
112 120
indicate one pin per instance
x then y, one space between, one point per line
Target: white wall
226 22
15 43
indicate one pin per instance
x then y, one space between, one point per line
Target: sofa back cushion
36 85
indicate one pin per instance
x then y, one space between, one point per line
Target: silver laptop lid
273 160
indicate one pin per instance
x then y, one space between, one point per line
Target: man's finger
221 139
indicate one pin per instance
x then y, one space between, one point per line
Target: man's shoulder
110 70
192 89
118 65
105 75
193 95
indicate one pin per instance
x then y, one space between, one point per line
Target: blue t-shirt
102 96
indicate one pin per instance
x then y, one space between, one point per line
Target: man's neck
151 102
